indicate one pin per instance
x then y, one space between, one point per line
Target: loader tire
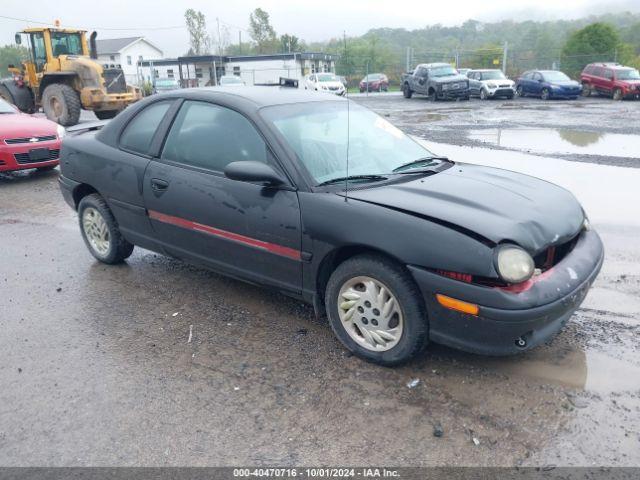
5 94
106 114
61 104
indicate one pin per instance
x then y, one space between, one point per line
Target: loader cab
48 44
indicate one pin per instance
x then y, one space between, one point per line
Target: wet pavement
155 362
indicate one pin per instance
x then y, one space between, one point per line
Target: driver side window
209 136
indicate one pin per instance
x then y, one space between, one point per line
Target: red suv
611 79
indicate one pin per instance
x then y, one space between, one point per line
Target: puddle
430 117
561 141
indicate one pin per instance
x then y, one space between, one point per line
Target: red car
27 141
611 79
376 82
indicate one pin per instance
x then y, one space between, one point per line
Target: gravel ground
96 366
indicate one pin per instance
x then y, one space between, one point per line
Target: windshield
493 75
327 77
443 71
5 107
317 133
373 76
66 44
555 77
628 74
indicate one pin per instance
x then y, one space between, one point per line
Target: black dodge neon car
325 201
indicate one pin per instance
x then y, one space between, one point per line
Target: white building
128 53
205 70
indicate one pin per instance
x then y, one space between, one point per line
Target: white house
128 53
205 70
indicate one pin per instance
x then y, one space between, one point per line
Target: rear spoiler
86 127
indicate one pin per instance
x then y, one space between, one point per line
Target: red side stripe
252 242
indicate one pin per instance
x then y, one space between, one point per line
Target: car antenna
346 178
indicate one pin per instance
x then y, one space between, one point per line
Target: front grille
42 138
23 158
114 80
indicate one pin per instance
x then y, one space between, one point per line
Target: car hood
498 205
499 81
20 125
330 84
449 79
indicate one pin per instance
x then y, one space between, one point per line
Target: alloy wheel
96 230
370 313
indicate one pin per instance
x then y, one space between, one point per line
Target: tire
617 95
379 88
106 114
61 104
483 94
407 312
520 91
510 97
433 96
117 249
5 94
586 90
545 94
406 91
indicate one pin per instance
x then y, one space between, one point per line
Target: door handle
159 185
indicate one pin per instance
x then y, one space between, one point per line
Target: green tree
290 43
12 55
262 32
199 39
597 42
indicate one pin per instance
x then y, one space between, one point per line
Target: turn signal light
458 305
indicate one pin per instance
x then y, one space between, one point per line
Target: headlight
491 85
513 264
445 86
60 130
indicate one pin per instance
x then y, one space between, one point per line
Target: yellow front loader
63 76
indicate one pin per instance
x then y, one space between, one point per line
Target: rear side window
139 132
598 72
209 136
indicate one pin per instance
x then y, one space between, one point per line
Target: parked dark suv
612 79
437 80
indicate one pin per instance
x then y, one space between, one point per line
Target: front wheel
586 90
617 94
376 310
406 91
100 231
520 91
545 95
483 94
61 104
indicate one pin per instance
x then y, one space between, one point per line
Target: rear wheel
100 231
106 114
61 104
406 91
376 310
617 94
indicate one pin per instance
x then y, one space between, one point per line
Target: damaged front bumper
509 322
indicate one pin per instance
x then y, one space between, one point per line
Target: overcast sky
308 19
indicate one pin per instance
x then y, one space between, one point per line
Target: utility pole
457 58
240 42
408 65
504 57
219 39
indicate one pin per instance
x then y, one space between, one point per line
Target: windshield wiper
374 178
410 166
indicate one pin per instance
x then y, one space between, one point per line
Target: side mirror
254 172
18 39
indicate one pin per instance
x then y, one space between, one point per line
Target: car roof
483 69
261 96
433 65
613 65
